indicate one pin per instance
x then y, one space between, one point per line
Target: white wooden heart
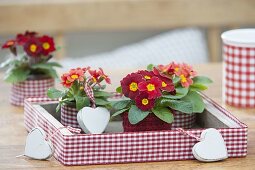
211 148
36 145
93 120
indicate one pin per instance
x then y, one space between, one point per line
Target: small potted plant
160 97
83 87
28 66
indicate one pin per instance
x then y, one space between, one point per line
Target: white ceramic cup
239 67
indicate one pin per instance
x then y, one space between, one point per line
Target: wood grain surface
13 134
80 15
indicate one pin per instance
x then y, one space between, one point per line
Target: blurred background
128 33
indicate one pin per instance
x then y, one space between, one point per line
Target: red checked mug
239 68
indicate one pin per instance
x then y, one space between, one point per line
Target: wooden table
13 135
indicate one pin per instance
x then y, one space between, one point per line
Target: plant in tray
154 95
28 65
84 89
81 87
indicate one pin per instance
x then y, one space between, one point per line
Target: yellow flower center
147 77
46 46
94 79
164 84
133 86
176 69
33 48
150 87
74 76
67 82
145 101
183 78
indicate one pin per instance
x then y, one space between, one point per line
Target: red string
182 131
71 129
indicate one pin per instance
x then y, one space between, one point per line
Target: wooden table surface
13 134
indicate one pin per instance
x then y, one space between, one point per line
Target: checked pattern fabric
107 148
29 88
182 120
239 76
69 116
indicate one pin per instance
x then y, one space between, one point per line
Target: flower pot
183 120
30 88
69 116
150 123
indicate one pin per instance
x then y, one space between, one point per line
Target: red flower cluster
79 74
144 87
71 76
184 71
33 45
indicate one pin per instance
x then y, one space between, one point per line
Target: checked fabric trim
239 76
84 149
89 91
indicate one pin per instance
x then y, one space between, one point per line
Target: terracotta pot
183 120
30 88
150 123
69 116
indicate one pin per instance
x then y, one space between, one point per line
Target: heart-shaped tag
93 120
211 148
36 145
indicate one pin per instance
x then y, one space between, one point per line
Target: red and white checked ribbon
89 91
182 131
71 129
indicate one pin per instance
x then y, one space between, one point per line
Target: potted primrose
28 67
83 88
161 97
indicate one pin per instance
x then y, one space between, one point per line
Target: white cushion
180 45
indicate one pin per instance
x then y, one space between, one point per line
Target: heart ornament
93 120
211 147
37 147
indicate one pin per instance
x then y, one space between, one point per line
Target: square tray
115 146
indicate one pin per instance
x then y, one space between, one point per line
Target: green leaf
182 106
75 89
82 102
199 83
135 115
101 102
102 94
58 107
54 93
119 112
164 114
201 80
119 89
176 80
16 75
52 73
150 67
48 65
54 64
196 100
47 68
68 101
180 93
9 62
101 87
198 87
121 104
